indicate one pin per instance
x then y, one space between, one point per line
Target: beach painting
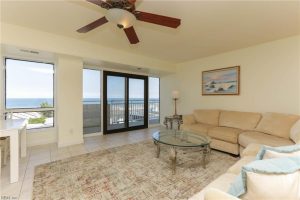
225 81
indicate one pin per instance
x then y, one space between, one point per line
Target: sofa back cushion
277 124
207 116
241 120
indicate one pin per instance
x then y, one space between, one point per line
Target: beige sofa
217 190
232 131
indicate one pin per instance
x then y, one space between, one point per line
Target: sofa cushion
277 124
248 137
224 146
222 183
236 168
241 120
207 116
215 194
188 119
251 150
197 128
225 133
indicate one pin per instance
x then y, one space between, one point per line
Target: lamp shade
120 16
175 94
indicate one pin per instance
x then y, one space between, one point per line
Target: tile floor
46 153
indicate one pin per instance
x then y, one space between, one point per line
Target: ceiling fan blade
157 19
131 35
101 3
93 25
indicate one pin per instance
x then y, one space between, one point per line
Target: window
29 92
154 115
91 101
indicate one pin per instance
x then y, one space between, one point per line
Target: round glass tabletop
180 138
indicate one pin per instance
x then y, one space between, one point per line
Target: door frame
127 77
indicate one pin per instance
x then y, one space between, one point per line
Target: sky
35 80
116 86
91 83
28 79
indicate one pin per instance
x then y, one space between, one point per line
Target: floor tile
46 153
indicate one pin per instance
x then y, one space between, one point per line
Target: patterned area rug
128 172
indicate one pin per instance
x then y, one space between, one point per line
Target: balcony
116 116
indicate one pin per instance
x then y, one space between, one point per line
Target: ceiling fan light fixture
120 17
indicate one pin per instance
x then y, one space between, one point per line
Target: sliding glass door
115 103
125 102
136 102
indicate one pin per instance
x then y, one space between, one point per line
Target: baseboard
64 144
40 142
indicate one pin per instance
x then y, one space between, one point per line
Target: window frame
24 110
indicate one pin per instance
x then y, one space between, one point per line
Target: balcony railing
116 113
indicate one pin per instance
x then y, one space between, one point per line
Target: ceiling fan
123 14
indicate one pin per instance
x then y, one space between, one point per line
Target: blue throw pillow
285 165
282 149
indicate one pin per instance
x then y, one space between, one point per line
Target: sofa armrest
188 119
295 132
215 194
251 150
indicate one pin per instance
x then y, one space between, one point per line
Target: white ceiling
208 27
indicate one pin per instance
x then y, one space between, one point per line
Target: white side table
12 128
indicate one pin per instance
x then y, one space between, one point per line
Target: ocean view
91 111
15 103
12 103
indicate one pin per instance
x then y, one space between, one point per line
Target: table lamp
175 95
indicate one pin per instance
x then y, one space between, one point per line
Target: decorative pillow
263 179
267 152
295 132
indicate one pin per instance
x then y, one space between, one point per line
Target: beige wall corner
270 79
69 100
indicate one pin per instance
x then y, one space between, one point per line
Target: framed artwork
224 81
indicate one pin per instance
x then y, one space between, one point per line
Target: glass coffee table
181 139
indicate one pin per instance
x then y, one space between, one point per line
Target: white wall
168 83
270 79
48 42
69 100
41 136
68 115
1 85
